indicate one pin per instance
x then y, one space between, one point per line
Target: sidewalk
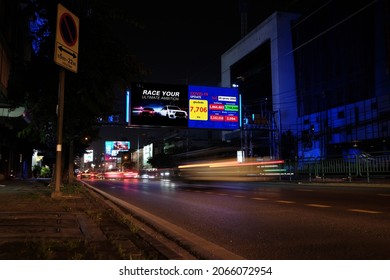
35 226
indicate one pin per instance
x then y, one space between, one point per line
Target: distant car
147 112
116 174
130 174
87 175
113 174
173 112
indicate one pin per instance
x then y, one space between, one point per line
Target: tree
105 67
161 160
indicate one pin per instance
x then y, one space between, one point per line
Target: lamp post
138 152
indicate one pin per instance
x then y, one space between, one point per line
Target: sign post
60 115
66 56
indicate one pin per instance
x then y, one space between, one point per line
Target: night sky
182 43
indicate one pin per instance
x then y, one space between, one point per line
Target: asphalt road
280 221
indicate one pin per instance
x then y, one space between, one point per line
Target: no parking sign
67 39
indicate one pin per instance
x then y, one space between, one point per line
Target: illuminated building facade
315 85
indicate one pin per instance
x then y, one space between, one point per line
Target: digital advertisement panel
184 106
213 107
112 148
159 104
88 156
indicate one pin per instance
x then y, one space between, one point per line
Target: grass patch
46 250
72 188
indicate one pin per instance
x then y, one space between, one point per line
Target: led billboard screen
159 104
112 148
213 107
88 156
184 106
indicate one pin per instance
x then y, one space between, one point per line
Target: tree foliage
161 160
105 68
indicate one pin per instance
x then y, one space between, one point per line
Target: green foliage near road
161 161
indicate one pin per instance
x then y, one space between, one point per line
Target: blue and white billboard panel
213 107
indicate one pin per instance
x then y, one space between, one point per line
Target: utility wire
334 26
311 14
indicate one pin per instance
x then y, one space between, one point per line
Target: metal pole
349 170
138 152
60 115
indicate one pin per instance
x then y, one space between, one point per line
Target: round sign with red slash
68 29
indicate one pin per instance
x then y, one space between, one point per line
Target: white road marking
364 211
318 205
259 198
285 201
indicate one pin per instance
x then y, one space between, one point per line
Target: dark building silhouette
15 53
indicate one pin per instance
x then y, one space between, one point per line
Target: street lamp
138 152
